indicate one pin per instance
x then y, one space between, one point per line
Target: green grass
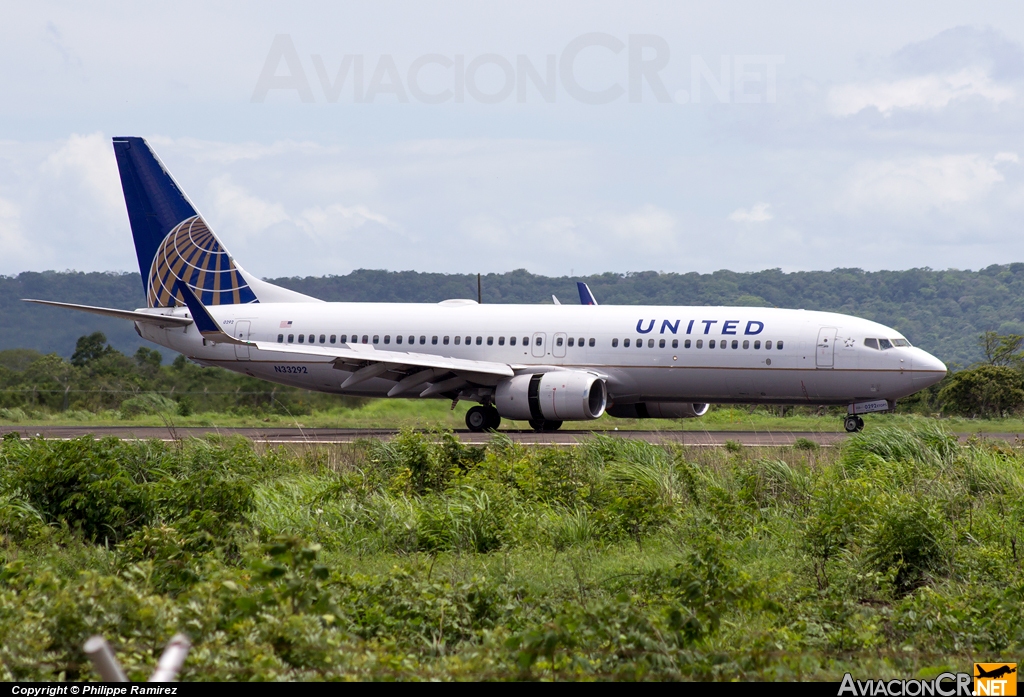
430 414
421 558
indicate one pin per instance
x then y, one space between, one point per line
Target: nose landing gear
853 424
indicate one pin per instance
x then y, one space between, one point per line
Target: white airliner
543 364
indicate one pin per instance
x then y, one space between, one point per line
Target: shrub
987 390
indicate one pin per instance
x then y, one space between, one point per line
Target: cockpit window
871 343
900 342
884 344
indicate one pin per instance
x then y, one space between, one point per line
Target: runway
327 436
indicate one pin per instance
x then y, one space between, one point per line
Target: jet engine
561 395
659 410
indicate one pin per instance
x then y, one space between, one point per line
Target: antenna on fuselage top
479 291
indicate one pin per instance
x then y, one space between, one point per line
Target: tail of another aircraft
173 242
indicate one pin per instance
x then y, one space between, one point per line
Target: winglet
205 322
586 297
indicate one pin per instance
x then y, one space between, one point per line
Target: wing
409 370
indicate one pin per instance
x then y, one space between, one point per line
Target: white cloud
649 228
12 239
926 92
758 213
918 184
244 212
88 161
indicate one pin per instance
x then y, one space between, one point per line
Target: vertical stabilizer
173 243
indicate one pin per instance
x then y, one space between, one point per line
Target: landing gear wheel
853 424
493 419
478 419
545 426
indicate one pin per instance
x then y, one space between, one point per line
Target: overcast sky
573 137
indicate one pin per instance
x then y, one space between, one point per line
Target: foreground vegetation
895 555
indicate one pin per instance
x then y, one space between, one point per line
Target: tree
1002 350
90 348
988 390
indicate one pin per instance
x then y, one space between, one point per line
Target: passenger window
686 344
711 343
433 340
469 340
445 341
661 343
650 343
539 341
490 341
778 345
884 344
302 338
735 344
580 342
675 343
768 344
423 340
640 343
625 343
558 341
501 341
746 344
591 342
700 343
479 340
333 337
344 338
323 339
365 338
280 338
376 338
572 341
615 343
526 341
387 338
871 343
458 340
757 344
291 338
511 341
725 344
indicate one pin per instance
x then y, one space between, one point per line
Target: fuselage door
826 351
242 332
537 344
558 348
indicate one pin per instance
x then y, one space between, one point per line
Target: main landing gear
482 418
853 424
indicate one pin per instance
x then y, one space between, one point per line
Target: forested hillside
942 311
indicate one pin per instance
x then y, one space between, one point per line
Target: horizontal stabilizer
135 316
205 322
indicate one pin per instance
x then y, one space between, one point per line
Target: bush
146 403
987 390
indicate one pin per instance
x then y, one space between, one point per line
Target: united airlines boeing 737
543 364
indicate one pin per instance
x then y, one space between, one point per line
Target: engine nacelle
561 395
659 410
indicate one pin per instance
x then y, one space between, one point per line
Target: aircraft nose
927 369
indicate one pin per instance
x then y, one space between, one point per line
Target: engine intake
659 410
561 395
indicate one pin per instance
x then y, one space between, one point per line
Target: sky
560 137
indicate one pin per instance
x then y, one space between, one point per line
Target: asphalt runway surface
327 436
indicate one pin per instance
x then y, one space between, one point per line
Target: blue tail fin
586 297
172 242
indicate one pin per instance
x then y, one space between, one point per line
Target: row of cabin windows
311 338
724 343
